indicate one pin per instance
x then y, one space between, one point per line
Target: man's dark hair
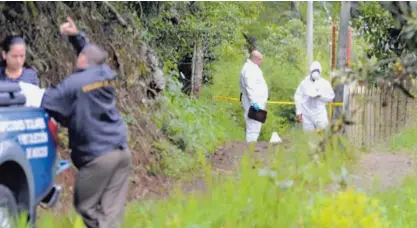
95 54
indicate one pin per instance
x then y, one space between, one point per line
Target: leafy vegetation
280 194
378 27
400 204
405 140
292 190
199 125
284 65
178 25
389 27
193 126
350 209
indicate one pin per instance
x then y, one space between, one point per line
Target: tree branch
119 17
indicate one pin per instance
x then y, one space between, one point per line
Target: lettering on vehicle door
34 142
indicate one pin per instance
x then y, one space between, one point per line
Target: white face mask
315 75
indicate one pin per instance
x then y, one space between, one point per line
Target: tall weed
191 126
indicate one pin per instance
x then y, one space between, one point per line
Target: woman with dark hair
13 67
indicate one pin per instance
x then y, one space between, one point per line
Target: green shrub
405 140
401 203
191 126
349 209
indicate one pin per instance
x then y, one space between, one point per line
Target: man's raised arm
78 41
76 38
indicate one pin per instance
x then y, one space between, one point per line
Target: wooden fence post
373 122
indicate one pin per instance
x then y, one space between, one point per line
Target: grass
281 194
400 204
291 191
405 141
192 126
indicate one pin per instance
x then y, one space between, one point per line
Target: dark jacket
29 75
85 103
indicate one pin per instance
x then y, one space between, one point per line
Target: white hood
309 105
314 67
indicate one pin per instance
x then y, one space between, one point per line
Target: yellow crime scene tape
331 104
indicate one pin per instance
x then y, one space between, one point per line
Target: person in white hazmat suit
254 92
310 100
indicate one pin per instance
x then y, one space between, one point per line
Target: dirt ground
144 186
388 168
383 170
376 171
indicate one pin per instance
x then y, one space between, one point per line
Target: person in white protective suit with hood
254 92
310 99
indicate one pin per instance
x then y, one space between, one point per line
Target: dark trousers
101 189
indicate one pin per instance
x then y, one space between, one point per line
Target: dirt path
382 170
226 159
376 171
389 168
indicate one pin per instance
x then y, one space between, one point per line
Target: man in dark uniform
85 103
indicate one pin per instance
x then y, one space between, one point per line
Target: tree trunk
343 34
295 10
197 69
341 57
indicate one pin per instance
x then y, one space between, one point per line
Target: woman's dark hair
7 45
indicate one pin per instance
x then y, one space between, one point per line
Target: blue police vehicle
28 157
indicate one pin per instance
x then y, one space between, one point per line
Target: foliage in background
378 27
404 14
390 27
405 140
179 25
192 126
285 63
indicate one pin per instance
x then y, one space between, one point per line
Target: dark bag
259 115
